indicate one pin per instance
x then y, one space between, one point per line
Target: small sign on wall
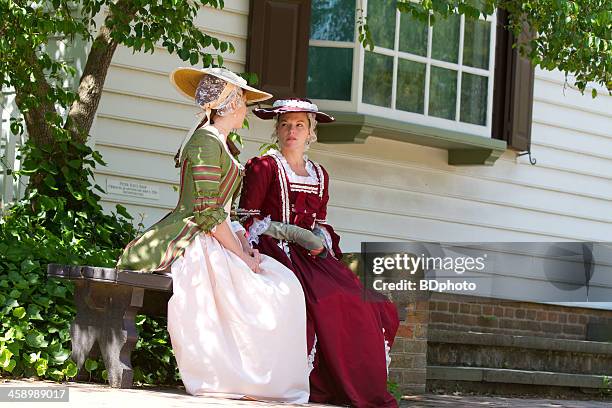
132 189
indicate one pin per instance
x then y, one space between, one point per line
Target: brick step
499 351
509 376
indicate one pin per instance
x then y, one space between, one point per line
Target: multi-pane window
440 76
332 46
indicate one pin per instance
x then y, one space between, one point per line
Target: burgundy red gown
348 337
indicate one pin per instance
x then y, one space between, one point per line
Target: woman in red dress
348 337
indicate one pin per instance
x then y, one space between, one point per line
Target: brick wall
409 352
460 312
464 313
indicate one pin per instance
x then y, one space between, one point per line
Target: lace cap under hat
212 88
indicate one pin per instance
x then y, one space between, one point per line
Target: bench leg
106 315
83 338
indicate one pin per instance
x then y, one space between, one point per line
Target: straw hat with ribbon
212 88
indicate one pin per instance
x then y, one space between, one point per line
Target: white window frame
355 105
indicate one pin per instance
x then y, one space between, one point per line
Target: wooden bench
107 301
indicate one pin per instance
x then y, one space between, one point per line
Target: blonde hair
312 128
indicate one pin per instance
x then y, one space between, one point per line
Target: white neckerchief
293 177
190 132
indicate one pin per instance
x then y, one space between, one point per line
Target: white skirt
236 333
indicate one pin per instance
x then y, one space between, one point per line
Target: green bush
62 222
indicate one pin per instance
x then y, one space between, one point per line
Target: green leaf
43 301
5 358
75 164
36 339
31 358
41 366
11 365
28 266
59 291
207 60
121 210
34 312
15 346
60 356
8 335
56 374
183 54
98 158
19 312
50 182
71 370
91 365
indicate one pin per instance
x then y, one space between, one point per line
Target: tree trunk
83 110
38 129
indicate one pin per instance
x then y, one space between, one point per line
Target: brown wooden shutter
279 31
513 89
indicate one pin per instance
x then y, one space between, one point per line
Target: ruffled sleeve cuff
209 218
332 240
258 227
328 239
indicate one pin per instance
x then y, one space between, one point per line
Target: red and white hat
293 105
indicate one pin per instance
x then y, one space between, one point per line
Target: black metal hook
533 160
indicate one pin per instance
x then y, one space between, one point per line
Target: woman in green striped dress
237 319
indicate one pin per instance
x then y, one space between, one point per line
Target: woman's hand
255 254
316 252
244 242
251 261
246 247
224 234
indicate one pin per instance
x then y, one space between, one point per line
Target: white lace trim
283 245
291 175
283 183
257 228
328 238
311 356
242 211
295 187
387 349
321 179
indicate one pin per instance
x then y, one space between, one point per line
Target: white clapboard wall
141 118
382 190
